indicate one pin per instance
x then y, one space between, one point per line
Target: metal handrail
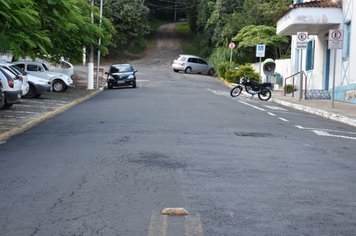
292 76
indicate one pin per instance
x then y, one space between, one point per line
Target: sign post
302 43
260 52
231 46
335 42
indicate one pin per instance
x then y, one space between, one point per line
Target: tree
249 36
21 31
68 24
50 29
130 19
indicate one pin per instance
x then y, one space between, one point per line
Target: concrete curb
318 112
18 130
315 111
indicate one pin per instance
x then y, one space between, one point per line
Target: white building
317 17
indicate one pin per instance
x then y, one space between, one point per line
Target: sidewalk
342 112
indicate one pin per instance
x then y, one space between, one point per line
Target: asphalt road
240 166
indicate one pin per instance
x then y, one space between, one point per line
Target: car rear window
181 58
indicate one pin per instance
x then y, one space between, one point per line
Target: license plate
121 82
19 95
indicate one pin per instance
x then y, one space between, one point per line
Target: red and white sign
232 45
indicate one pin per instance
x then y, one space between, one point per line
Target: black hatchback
121 75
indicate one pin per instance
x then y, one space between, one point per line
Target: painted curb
22 128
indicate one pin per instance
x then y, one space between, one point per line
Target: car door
203 66
36 70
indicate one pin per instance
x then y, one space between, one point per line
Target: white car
60 82
16 75
192 64
11 90
37 85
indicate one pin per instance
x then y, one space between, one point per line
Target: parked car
121 75
24 86
60 82
10 93
37 85
192 64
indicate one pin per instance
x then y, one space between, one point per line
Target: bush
247 71
222 68
231 76
289 88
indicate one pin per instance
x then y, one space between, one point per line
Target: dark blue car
121 75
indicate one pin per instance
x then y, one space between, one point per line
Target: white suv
60 82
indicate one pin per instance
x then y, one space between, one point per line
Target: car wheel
188 70
59 86
109 86
2 102
31 92
211 72
175 70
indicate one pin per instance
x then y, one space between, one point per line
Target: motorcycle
263 90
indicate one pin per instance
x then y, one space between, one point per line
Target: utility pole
90 71
99 44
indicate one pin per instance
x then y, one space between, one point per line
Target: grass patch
183 28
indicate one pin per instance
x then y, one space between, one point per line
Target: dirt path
166 48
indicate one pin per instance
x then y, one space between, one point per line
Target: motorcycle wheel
265 94
236 91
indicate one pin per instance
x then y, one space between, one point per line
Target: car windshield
121 69
16 68
44 66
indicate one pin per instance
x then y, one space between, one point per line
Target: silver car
192 64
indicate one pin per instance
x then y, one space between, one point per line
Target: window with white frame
347 40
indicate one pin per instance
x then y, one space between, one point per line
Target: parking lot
28 111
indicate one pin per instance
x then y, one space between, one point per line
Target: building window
309 65
347 40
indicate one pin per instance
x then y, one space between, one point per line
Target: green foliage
247 71
289 88
130 19
251 35
222 68
218 21
183 28
231 76
21 30
51 29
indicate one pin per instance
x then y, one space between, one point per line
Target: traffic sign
232 45
302 40
260 50
336 37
